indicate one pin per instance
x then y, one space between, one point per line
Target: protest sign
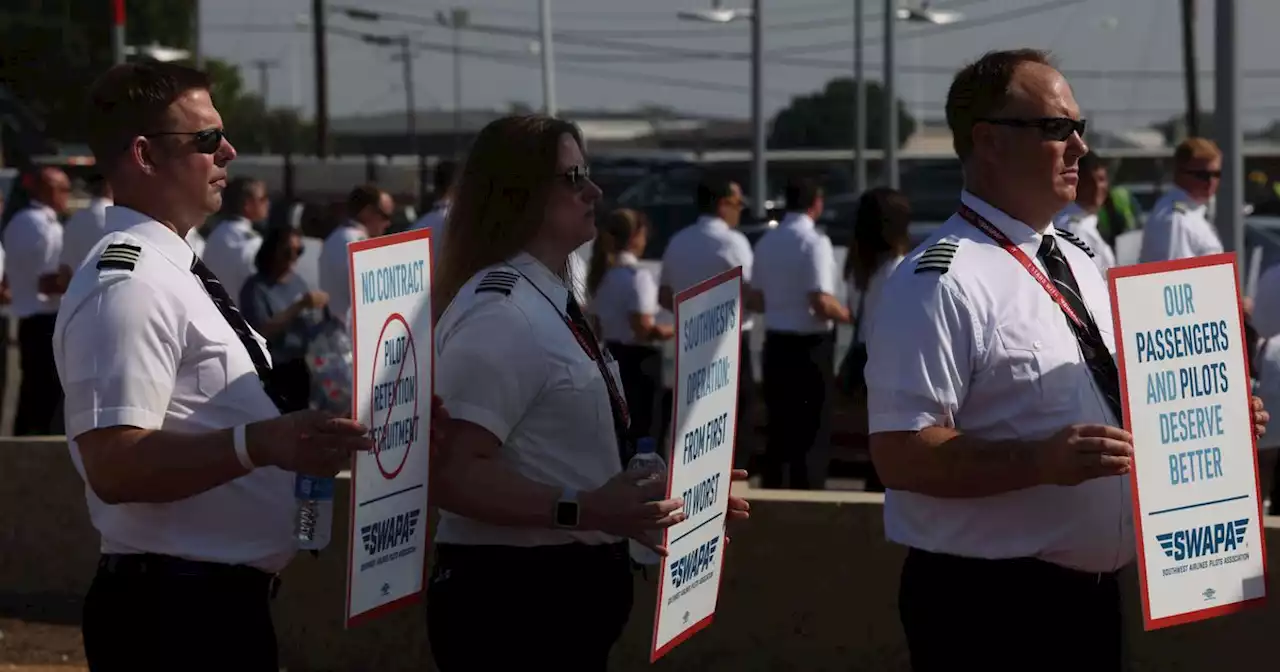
392 340
704 427
1186 388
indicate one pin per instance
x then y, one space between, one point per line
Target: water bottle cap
646 445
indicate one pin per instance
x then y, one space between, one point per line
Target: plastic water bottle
314 522
646 460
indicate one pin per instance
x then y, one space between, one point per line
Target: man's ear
140 153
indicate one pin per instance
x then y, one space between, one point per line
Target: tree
252 127
825 119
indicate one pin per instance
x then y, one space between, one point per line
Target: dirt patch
40 647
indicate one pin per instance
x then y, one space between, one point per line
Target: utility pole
890 95
859 105
264 65
1229 217
456 19
548 61
1189 66
117 30
197 56
411 116
759 181
322 78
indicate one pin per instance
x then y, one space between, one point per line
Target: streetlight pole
758 181
548 61
890 95
1226 120
117 30
456 19
859 105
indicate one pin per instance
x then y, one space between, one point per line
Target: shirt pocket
211 370
587 396
1039 361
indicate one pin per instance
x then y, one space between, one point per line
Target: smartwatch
567 509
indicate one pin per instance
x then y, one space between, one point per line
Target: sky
1122 57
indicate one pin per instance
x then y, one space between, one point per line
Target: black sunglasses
577 177
1056 129
1205 175
206 142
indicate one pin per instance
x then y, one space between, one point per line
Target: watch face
567 514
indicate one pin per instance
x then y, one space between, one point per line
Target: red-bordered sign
405 502
1239 372
688 629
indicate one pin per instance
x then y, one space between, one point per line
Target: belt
154 564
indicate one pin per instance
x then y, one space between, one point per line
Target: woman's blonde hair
611 239
500 199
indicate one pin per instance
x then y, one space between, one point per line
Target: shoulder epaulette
937 257
498 281
119 256
1075 240
1179 206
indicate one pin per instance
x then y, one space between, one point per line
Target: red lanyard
979 222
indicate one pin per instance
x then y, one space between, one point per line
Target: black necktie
1096 355
238 324
617 403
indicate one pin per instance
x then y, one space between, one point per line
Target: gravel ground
40 647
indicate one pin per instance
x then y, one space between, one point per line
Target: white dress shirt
869 301
146 347
704 249
33 241
196 242
83 230
1177 228
1266 303
229 253
791 262
506 361
983 349
335 274
625 290
1084 225
434 220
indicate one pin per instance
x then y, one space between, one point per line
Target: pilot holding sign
994 399
535 509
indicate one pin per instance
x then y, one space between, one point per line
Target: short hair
712 188
132 99
442 178
1090 162
362 197
801 193
981 89
236 196
1196 149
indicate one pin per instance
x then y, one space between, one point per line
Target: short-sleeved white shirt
625 290
704 249
506 361
83 230
229 253
1178 228
148 348
334 269
33 240
983 349
791 262
1084 225
196 241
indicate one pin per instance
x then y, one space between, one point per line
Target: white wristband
242 448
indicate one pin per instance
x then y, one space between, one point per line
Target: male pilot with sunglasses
994 400
369 213
1178 227
172 420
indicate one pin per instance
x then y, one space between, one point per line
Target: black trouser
539 608
40 392
154 612
799 387
745 443
641 369
996 615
